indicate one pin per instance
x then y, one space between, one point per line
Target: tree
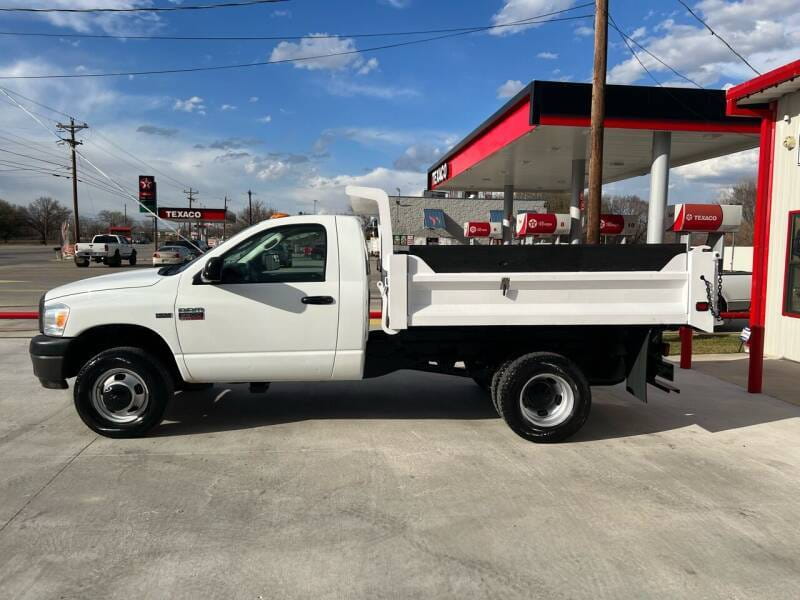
45 216
743 194
261 212
111 218
629 206
11 221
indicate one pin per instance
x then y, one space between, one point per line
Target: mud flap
649 367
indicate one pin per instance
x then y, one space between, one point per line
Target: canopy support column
508 213
659 186
578 185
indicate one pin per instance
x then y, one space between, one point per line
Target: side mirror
212 272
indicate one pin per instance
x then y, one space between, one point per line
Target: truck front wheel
122 392
132 258
543 397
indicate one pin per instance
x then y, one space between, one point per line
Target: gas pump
475 230
532 225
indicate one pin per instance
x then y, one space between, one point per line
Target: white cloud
723 170
584 31
368 66
767 32
112 23
418 157
190 105
518 10
265 119
547 55
343 49
509 88
639 33
347 89
397 3
383 137
281 13
253 99
330 190
228 107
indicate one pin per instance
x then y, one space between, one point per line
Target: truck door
274 316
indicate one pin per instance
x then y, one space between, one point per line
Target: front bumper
48 358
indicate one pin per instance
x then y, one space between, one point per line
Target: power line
50 108
50 162
529 21
721 39
625 38
246 38
139 9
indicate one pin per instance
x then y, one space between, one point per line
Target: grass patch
705 343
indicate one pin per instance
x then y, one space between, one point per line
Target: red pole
19 315
686 347
763 211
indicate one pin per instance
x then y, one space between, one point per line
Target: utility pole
598 117
72 128
315 206
250 204
125 218
225 217
190 193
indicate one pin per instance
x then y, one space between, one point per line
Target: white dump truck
536 326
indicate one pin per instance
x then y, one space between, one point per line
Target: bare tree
261 212
111 218
11 221
744 194
45 216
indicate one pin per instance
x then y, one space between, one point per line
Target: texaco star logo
146 184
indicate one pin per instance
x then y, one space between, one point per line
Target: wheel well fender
97 339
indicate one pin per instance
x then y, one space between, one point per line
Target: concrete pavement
406 486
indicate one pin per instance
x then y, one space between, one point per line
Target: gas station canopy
532 141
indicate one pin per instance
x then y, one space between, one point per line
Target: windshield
104 239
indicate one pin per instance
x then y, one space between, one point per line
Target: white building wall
782 335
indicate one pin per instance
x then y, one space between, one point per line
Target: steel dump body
659 285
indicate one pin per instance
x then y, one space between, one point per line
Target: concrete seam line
51 480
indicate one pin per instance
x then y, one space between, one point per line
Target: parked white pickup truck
535 325
107 248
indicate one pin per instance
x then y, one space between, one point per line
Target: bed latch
505 282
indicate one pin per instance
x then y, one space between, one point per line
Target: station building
440 221
775 98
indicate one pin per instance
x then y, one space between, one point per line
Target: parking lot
399 487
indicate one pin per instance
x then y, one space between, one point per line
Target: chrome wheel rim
546 400
120 396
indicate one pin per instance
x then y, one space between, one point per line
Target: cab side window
290 254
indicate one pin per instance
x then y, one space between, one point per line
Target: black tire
81 263
560 393
142 367
498 374
132 258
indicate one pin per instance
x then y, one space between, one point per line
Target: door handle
317 300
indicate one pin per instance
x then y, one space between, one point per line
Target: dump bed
542 285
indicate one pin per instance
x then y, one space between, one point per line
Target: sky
296 133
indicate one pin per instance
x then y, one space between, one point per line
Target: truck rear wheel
122 392
543 397
81 262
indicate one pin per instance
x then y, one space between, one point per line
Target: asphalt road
407 486
26 272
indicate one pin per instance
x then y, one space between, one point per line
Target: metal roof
532 140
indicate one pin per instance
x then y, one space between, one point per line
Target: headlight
55 319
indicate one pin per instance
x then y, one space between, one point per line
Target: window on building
791 301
